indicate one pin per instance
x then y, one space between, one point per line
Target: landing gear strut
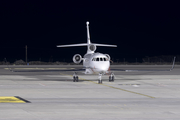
111 77
100 80
75 77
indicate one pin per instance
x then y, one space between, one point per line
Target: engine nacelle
77 58
109 58
92 47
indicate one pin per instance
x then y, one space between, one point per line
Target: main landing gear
75 77
111 77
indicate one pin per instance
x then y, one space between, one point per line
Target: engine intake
109 58
77 58
92 47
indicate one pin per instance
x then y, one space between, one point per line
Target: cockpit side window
97 59
104 59
101 59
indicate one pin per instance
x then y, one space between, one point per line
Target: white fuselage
96 63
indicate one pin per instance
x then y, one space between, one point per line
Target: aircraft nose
103 69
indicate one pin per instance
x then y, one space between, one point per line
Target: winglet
173 64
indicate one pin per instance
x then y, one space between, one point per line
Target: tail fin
81 44
88 44
89 41
88 35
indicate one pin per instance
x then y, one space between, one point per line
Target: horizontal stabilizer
85 44
105 45
72 45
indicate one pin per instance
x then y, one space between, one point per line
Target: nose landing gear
100 78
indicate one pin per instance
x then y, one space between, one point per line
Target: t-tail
91 47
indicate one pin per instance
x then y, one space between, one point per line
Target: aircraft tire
74 79
99 81
110 79
77 79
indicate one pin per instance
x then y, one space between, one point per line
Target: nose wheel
100 78
111 77
75 77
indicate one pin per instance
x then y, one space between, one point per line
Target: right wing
45 69
136 70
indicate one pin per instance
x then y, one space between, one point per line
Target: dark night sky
139 29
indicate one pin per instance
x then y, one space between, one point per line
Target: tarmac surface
49 93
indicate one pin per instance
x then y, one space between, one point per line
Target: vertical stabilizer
91 47
88 35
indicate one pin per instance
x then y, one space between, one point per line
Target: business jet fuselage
94 63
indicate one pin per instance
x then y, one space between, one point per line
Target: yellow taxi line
12 99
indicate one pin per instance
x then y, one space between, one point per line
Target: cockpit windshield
100 59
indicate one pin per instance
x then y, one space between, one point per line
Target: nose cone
102 67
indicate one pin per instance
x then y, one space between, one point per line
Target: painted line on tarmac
113 87
129 91
12 99
134 85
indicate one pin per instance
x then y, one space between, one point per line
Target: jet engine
92 47
77 58
109 58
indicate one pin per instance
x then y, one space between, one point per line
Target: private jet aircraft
95 63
